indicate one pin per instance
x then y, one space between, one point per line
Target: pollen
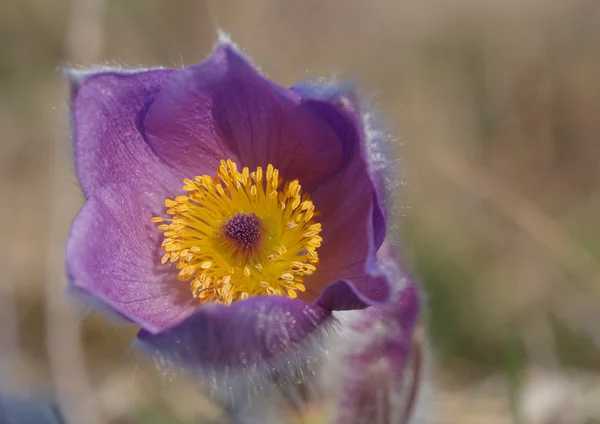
241 234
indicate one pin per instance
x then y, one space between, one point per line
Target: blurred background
496 106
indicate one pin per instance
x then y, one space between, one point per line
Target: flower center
241 234
243 229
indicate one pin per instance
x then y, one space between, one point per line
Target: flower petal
108 110
346 295
351 205
354 186
113 253
246 334
224 109
350 257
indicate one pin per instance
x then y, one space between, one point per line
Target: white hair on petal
384 159
241 388
224 39
76 75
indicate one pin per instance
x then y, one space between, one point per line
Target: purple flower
379 365
225 215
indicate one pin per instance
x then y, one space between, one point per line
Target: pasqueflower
226 215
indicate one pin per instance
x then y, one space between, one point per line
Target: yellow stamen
241 234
